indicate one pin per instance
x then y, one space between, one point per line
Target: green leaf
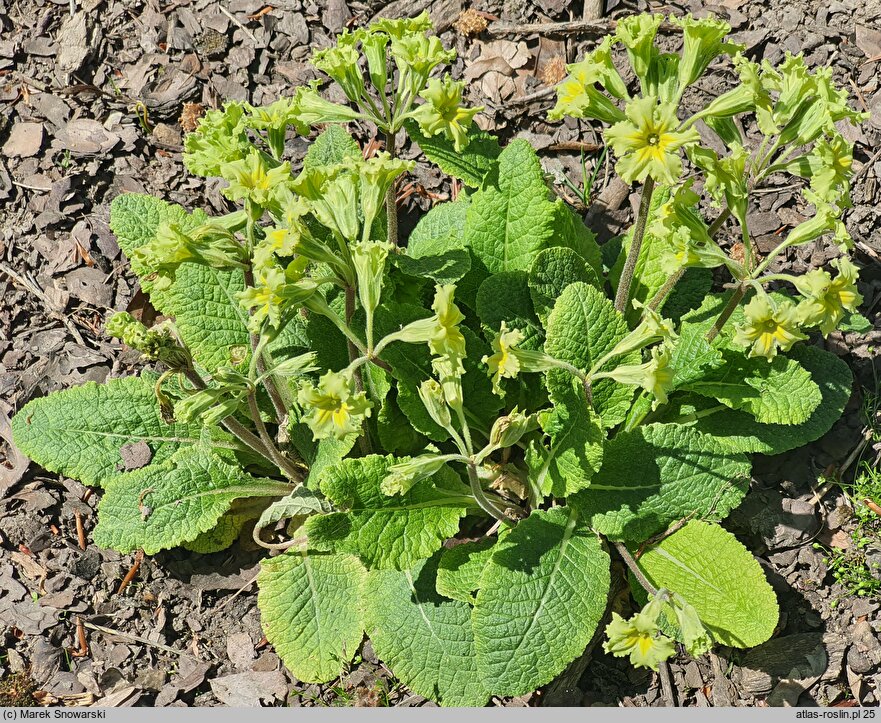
202 300
424 638
445 267
688 294
300 503
576 446
551 272
460 568
210 320
164 505
327 342
779 391
570 232
541 597
310 608
386 531
693 354
648 276
469 165
135 218
581 329
328 453
221 536
737 430
719 577
78 432
332 147
396 434
658 474
505 297
855 323
440 229
510 218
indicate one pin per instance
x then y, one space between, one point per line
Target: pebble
25 140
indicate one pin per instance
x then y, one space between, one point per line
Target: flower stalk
623 293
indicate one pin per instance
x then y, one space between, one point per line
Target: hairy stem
634 568
391 204
275 455
717 224
363 442
665 289
480 496
268 382
234 427
712 230
623 293
726 312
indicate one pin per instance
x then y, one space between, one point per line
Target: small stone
166 136
87 564
693 677
135 455
25 140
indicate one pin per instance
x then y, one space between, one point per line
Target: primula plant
440 443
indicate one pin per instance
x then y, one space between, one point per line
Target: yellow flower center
341 415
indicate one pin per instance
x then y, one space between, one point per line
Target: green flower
416 55
276 116
210 406
682 251
663 78
828 167
369 258
274 119
313 110
398 28
449 371
725 178
827 299
276 240
507 430
651 328
374 45
504 363
577 95
123 326
340 62
703 42
334 408
750 95
577 100
446 340
210 245
769 326
655 375
639 637
637 34
648 142
827 219
432 395
377 175
266 298
598 68
508 360
332 192
250 179
403 475
219 139
443 112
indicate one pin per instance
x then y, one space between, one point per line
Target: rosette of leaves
438 444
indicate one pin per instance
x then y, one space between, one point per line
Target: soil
91 98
